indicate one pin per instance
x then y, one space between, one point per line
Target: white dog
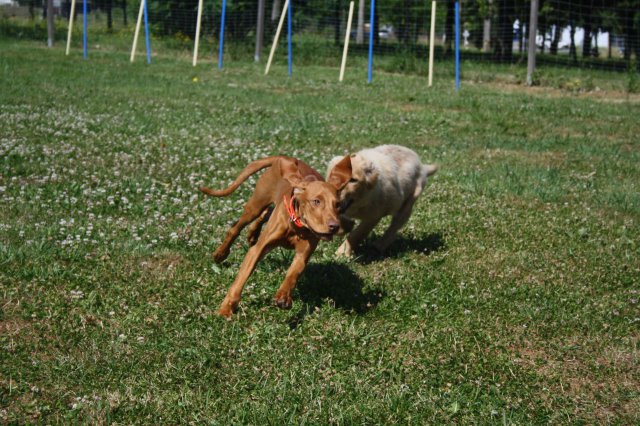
385 180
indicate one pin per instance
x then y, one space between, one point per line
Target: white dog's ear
340 173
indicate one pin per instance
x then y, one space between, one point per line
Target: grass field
511 297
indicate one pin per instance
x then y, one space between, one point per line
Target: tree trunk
360 30
586 41
109 6
403 31
50 24
124 12
553 49
275 10
486 35
523 33
336 17
503 48
448 26
572 48
376 26
259 31
627 29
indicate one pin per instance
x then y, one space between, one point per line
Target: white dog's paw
380 246
344 250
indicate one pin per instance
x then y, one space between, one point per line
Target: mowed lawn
511 296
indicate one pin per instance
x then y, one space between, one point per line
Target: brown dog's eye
353 180
315 203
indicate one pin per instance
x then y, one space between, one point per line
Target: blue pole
371 28
457 46
146 32
222 19
84 30
289 37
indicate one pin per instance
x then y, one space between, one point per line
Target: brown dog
304 211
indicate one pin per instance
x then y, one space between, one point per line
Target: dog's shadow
424 245
336 282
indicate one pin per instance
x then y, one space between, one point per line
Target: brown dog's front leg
304 249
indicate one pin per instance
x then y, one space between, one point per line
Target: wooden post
533 29
346 41
197 40
71 16
432 40
137 31
275 39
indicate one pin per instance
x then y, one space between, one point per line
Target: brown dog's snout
333 226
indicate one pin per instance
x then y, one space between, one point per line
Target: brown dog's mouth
324 236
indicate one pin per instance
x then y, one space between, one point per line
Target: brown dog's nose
333 226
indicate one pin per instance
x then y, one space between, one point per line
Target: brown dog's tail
252 167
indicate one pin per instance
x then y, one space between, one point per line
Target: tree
503 47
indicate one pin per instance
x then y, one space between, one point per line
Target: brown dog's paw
283 301
227 309
252 238
225 313
220 255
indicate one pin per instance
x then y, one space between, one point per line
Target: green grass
511 296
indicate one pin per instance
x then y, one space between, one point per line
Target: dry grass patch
601 382
543 158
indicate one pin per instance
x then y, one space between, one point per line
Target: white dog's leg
398 221
345 249
356 236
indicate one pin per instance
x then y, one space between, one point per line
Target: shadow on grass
425 245
335 282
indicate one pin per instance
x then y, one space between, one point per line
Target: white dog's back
399 168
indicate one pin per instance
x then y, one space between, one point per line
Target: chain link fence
572 34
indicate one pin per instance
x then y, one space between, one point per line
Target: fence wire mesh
571 33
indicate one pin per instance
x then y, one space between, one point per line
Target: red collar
292 213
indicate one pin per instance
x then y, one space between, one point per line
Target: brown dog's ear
290 172
341 173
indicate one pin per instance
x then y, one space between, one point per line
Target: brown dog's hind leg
254 208
304 249
254 229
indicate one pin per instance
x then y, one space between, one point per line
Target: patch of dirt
13 327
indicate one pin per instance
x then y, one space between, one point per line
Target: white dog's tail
429 169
